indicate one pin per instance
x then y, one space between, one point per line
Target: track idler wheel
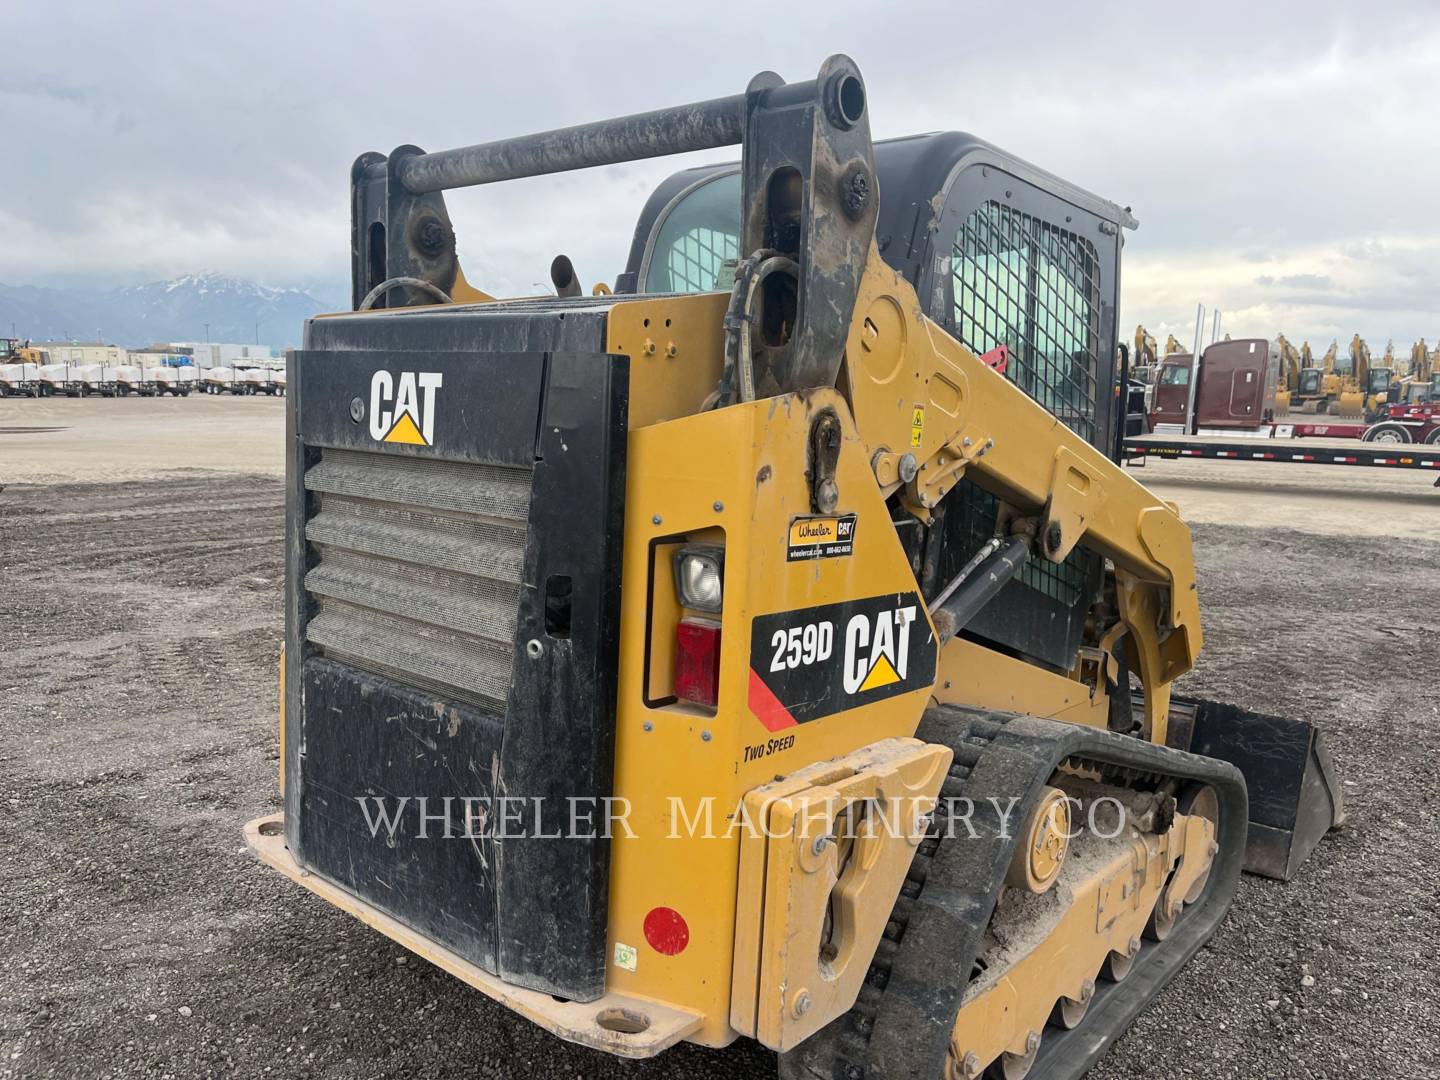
1117 965
1044 843
1198 800
1015 1066
1069 1012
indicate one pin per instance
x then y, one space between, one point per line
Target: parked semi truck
1238 381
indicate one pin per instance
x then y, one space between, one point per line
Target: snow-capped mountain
195 307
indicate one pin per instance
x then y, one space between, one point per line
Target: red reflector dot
666 931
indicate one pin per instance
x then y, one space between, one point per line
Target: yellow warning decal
917 425
405 431
882 673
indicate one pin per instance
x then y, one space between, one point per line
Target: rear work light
700 576
697 661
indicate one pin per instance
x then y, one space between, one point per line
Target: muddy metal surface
139 626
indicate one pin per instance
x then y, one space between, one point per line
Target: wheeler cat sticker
402 406
813 662
823 537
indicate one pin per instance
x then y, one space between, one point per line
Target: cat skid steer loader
770 647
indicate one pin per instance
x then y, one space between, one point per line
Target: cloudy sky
1282 157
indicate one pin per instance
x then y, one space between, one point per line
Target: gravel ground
139 627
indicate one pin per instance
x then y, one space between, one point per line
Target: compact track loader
771 646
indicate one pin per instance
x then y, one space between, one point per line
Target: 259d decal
812 662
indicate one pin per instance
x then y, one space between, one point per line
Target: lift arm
932 412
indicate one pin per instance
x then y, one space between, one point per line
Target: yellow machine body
763 848
738 475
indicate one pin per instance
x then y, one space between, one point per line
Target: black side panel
374 744
560 725
574 324
454 544
483 409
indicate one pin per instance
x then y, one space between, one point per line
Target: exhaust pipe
562 276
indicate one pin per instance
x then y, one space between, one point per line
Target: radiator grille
418 569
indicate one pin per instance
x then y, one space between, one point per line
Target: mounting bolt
855 192
704 736
672 350
649 347
1032 1042
1054 536
357 409
908 468
802 1003
656 520
648 726
718 506
1087 990
970 1067
820 844
430 238
827 496
1134 945
967 441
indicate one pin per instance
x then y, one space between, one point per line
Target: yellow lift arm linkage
931 411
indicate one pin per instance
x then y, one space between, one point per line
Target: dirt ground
140 619
91 440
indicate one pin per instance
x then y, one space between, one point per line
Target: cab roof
914 174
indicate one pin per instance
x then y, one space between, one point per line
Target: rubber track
900 1026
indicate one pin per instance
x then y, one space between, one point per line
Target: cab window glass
1175 375
700 234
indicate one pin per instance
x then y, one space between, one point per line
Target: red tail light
697 661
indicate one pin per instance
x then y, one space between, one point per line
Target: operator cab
1310 380
1381 379
1000 253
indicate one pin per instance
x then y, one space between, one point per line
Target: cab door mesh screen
695 259
1025 283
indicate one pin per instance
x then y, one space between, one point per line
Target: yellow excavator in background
1173 347
771 645
1365 386
20 364
1291 365
1144 355
1317 386
1421 383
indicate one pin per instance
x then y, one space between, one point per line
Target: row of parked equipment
1253 384
75 380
